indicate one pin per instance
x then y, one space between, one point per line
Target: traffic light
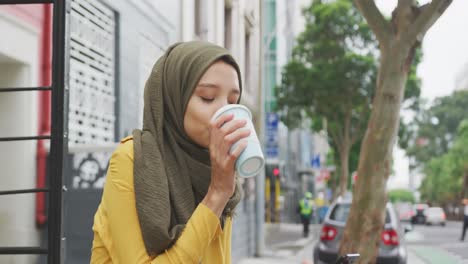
272 170
276 172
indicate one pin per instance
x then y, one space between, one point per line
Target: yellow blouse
117 233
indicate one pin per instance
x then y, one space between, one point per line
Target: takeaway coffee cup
251 160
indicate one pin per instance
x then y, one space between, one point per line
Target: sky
445 52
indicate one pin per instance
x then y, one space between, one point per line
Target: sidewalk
284 244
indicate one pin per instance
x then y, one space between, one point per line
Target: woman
171 188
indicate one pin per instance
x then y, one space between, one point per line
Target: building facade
461 80
112 48
22 30
302 151
234 24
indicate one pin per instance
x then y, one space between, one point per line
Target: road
437 244
426 245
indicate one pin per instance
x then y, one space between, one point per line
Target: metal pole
260 185
58 142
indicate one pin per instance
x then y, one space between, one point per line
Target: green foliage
332 76
332 73
412 101
400 195
444 174
436 127
327 76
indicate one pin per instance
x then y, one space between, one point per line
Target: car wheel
442 224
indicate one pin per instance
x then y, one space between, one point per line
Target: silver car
435 216
392 248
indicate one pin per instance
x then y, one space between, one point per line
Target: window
228 27
92 111
247 62
341 211
200 20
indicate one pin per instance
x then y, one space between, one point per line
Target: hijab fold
171 172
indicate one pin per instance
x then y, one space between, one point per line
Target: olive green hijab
172 173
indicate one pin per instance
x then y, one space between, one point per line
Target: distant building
461 80
303 152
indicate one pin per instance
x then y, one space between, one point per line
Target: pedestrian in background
171 189
305 210
465 219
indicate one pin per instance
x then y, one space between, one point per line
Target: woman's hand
224 133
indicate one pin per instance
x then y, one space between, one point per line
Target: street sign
271 152
315 162
271 135
272 121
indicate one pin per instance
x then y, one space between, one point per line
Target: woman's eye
207 100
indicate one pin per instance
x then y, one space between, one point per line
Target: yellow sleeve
124 228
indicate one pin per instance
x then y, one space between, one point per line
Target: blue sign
272 120
271 152
271 135
315 162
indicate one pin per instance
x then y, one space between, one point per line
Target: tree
401 195
331 76
398 39
460 155
447 176
437 127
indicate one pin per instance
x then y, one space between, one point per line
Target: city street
426 245
437 244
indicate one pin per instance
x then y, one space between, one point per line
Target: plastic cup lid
229 107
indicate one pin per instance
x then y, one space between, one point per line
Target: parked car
435 216
405 211
392 247
419 216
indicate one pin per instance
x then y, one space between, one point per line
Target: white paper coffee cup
251 160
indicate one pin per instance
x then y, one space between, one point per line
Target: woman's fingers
237 151
224 133
234 137
218 122
232 126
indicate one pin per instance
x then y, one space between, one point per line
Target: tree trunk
344 150
344 160
364 226
344 156
398 39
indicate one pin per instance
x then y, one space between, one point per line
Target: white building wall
19 61
461 81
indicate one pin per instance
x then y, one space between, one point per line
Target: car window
341 211
435 210
420 207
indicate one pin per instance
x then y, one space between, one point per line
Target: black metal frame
58 137
117 130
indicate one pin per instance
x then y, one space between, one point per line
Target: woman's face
218 87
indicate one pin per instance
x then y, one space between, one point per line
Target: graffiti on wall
89 170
